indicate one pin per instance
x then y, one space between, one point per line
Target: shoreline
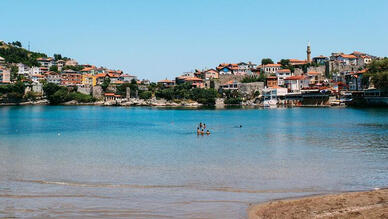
353 204
182 104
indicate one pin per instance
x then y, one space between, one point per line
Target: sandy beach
368 204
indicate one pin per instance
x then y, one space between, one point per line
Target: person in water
204 126
202 132
208 132
198 131
200 125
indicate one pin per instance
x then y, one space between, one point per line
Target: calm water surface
86 161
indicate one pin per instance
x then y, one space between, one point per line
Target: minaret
308 53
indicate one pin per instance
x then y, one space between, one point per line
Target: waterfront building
2 60
112 97
272 95
354 80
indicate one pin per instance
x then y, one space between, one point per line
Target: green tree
50 88
145 95
54 68
57 57
17 43
105 83
14 73
377 73
266 61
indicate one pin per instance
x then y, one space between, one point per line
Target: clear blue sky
156 39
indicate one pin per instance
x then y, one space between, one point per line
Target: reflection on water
148 163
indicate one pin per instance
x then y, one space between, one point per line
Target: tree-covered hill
14 53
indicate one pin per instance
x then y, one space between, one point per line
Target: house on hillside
5 75
53 77
70 77
271 81
270 68
46 62
166 83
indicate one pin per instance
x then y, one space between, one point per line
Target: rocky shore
369 204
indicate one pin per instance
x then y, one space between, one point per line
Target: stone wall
85 90
97 92
225 78
248 89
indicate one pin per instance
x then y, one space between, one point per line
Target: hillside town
336 80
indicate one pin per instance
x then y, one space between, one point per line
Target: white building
281 74
34 71
270 68
53 77
46 62
37 78
23 69
296 83
127 78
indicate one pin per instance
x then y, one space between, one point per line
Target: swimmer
200 125
198 131
202 132
204 125
208 132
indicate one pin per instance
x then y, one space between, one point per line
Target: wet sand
369 204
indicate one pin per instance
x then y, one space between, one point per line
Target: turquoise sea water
92 161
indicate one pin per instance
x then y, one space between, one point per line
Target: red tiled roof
296 77
192 79
348 56
272 65
109 94
313 73
284 70
165 81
